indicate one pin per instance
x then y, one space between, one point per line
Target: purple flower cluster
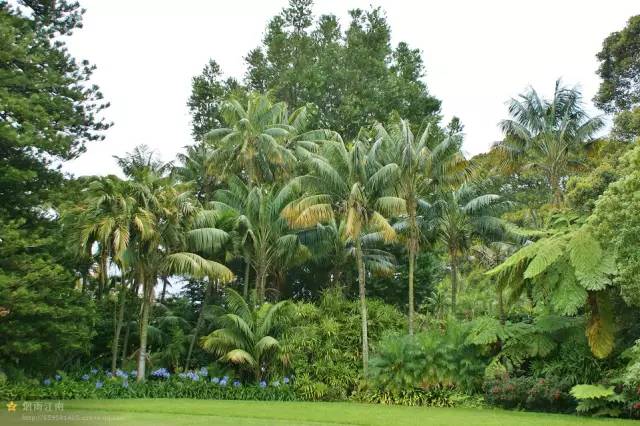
85 377
99 384
46 382
189 375
161 373
121 374
223 381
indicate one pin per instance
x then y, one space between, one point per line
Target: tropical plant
259 233
548 134
422 166
435 359
567 272
350 182
248 337
460 215
260 140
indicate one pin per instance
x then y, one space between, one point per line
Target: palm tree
160 249
349 182
423 166
253 142
458 216
248 336
109 216
331 245
197 166
548 134
263 237
263 141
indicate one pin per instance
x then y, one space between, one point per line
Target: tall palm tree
109 216
458 216
263 237
161 250
253 141
248 336
330 244
197 166
548 134
349 182
263 141
423 166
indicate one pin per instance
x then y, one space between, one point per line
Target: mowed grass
207 412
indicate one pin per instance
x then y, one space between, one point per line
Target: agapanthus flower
109 375
85 377
285 380
223 382
58 377
46 382
125 384
121 374
161 373
203 372
215 380
99 384
94 371
133 373
263 384
236 383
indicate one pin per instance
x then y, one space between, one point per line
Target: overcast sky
477 55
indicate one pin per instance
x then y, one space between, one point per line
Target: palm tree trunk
454 280
144 324
413 248
199 322
165 281
363 306
118 327
125 344
556 189
261 279
103 273
247 272
412 261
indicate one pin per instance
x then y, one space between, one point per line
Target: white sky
477 55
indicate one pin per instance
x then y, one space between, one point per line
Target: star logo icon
11 407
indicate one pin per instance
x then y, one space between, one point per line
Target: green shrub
434 397
528 393
430 360
174 387
325 344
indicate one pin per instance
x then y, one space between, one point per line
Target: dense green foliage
353 77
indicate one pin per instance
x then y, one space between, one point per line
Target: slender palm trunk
363 306
247 272
165 281
125 344
454 280
261 279
413 248
144 325
412 261
207 295
103 274
556 189
118 326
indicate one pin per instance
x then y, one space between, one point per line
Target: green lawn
204 412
